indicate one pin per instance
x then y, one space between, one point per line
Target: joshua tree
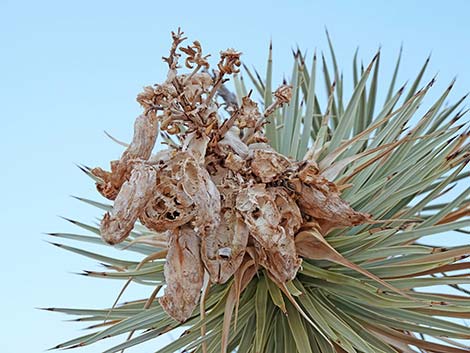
289 224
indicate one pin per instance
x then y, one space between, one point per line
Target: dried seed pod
143 141
272 218
223 249
291 218
282 263
319 198
129 204
266 163
184 274
184 193
228 183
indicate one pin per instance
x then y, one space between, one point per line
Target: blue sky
69 70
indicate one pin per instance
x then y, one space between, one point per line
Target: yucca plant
294 228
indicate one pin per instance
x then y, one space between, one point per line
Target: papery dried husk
272 218
184 193
291 217
196 145
223 249
234 162
228 183
161 157
129 204
281 262
320 199
266 163
184 274
143 141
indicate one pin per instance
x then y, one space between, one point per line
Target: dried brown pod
196 145
234 162
272 218
228 183
184 274
291 217
143 141
129 204
223 249
266 163
320 199
184 193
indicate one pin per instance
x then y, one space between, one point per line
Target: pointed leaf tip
55 244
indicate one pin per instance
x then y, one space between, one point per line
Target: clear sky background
71 69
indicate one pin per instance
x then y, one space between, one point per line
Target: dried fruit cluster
221 197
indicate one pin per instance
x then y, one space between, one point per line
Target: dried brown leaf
311 244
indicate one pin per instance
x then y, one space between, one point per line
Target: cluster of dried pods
220 198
